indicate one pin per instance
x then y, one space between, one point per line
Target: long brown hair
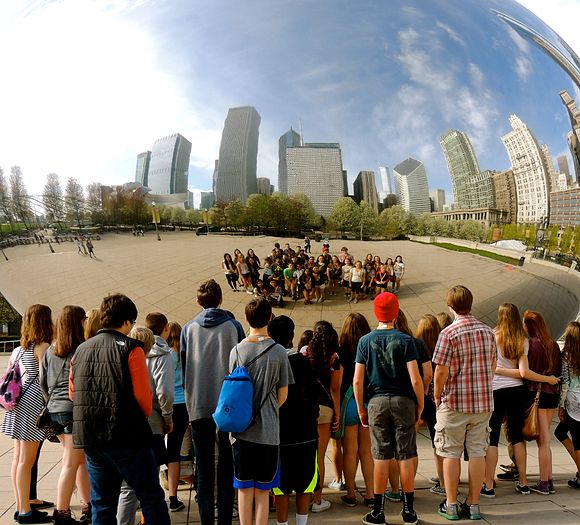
354 326
69 330
174 335
37 327
402 324
572 347
92 323
428 331
509 332
536 326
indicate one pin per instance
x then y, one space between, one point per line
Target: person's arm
43 379
140 380
417 384
164 386
358 385
71 382
335 378
525 373
441 375
427 374
282 395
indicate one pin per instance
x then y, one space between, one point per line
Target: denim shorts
62 421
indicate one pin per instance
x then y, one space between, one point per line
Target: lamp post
155 213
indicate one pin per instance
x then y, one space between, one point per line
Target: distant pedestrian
307 244
79 246
84 245
90 247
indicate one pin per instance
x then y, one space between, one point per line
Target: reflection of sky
385 79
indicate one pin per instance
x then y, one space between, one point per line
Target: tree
345 215
178 216
393 222
308 217
368 220
218 214
5 203
235 212
94 202
74 200
52 199
258 210
279 206
193 216
21 207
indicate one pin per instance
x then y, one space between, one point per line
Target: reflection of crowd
296 274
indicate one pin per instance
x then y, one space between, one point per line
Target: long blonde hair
509 332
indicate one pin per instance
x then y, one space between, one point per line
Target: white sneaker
336 485
322 506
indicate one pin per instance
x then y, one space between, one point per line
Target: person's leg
225 474
490 465
520 457
82 482
451 472
13 470
246 506
366 459
71 459
302 504
203 435
439 468
26 458
350 449
128 504
262 505
323 439
476 477
34 477
545 416
394 476
282 507
337 458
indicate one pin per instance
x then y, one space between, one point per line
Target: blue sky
89 84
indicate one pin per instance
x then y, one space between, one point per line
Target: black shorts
429 415
256 465
175 437
159 450
548 400
574 427
509 404
356 287
298 469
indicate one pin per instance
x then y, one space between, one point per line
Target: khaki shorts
325 415
455 431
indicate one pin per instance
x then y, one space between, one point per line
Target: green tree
218 214
74 199
5 202
235 212
392 222
279 211
257 210
52 199
345 215
94 203
21 207
178 216
368 217
306 218
166 213
193 216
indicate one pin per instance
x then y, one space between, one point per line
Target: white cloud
524 65
453 35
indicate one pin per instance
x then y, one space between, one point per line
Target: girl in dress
399 269
356 281
244 272
391 270
20 423
382 279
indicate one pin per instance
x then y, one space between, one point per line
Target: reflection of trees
21 208
52 199
74 199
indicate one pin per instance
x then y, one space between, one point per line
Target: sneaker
450 512
574 483
322 506
541 487
175 505
349 501
508 468
393 496
434 479
163 479
551 487
509 475
437 489
336 485
235 512
374 519
471 512
63 517
409 517
525 490
86 514
355 300
35 516
370 502
42 505
487 493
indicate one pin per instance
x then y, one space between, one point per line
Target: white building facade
412 187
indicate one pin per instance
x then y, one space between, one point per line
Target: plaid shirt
468 348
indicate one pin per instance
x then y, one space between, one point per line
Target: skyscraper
463 166
411 186
316 170
236 171
550 170
563 167
264 186
480 190
365 189
438 197
529 172
289 139
574 135
504 188
384 182
142 169
169 165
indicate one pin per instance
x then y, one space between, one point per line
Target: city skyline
444 79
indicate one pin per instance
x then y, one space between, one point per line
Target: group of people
85 246
121 398
288 272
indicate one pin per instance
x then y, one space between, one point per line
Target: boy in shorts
387 359
256 450
298 429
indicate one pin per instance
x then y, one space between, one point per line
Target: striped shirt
468 348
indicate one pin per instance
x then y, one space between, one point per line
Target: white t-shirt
502 362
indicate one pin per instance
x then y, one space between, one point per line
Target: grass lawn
483 253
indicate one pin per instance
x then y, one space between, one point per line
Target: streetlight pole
155 212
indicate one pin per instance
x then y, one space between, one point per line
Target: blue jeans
108 467
203 432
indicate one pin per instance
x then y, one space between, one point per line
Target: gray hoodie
161 380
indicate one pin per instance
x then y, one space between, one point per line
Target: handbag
531 428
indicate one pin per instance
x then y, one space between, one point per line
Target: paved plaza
164 276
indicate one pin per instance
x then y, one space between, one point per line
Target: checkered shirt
468 348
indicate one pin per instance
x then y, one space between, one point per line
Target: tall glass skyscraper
142 169
169 166
412 187
530 174
463 167
289 139
366 190
384 183
236 172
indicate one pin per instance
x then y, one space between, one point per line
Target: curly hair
572 347
323 345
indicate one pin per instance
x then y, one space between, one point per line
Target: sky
89 84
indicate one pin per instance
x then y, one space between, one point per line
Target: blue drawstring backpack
235 408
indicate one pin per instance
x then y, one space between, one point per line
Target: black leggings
509 403
573 427
175 438
232 280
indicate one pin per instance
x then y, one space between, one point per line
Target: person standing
206 342
465 357
386 360
109 386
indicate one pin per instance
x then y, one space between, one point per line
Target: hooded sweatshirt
206 342
161 380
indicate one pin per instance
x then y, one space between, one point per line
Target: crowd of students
296 274
121 398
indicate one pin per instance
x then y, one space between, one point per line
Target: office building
565 207
384 182
504 189
480 190
169 165
438 199
549 165
411 186
264 186
236 170
142 169
365 189
486 216
316 170
529 169
462 165
574 135
207 200
289 139
563 167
